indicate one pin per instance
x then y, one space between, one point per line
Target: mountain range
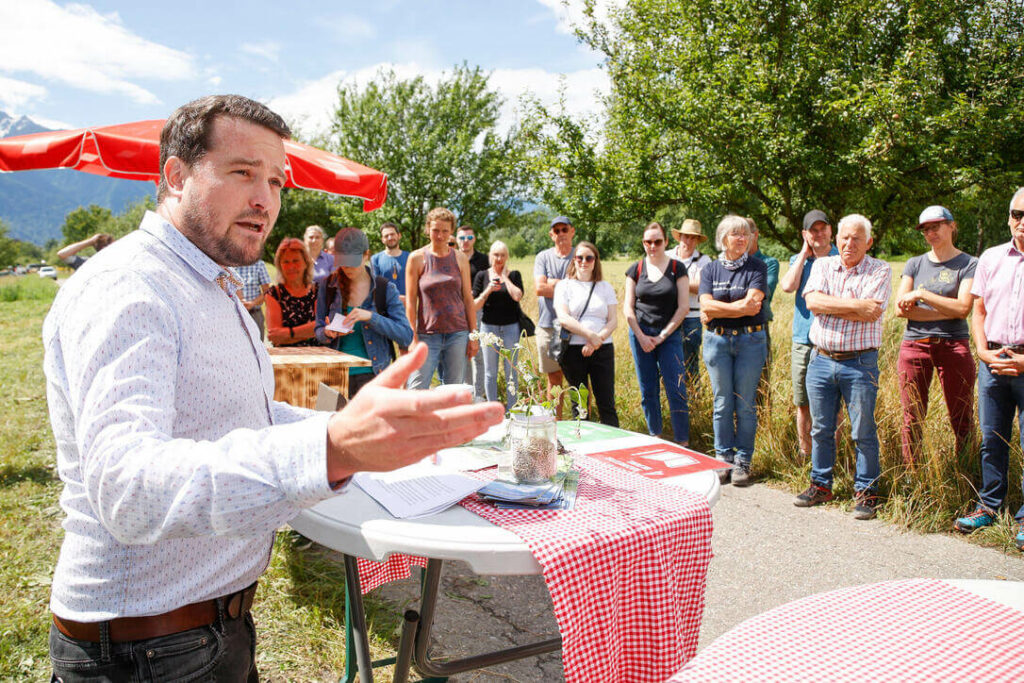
33 204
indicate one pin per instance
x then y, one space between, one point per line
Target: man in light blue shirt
390 263
177 463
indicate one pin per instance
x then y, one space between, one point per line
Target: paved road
767 553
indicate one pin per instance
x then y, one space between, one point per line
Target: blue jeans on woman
855 382
734 366
447 349
692 331
509 336
666 360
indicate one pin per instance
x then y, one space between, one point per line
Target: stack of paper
557 494
417 490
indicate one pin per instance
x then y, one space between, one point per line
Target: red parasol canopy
132 150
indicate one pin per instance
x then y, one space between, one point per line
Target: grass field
300 606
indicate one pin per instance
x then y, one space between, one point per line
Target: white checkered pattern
626 570
869 279
912 630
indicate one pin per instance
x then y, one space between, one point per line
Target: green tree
8 248
84 222
772 107
439 145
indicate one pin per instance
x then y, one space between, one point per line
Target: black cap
812 217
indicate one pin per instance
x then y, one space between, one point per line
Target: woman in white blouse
586 306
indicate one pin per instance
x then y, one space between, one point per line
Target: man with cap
999 339
934 296
323 261
177 463
689 236
548 268
466 237
847 294
817 243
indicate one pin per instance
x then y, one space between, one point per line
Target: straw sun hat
691 226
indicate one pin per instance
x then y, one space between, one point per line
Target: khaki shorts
800 357
546 364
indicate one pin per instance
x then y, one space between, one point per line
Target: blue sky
91 63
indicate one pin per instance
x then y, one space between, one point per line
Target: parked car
48 271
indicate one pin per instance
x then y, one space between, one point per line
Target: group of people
178 465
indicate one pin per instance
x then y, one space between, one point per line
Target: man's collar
162 229
854 269
1011 248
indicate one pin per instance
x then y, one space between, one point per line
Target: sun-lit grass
300 607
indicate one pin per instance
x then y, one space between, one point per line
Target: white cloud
268 50
53 124
77 45
310 107
570 15
15 93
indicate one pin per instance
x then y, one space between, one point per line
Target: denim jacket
376 332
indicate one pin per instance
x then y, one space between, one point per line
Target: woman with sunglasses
291 303
735 345
656 301
934 296
587 307
439 303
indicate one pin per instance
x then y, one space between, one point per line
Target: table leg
359 640
422 626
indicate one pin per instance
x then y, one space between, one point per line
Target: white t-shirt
573 294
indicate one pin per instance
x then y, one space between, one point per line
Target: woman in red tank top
439 303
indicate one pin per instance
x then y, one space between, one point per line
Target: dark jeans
692 336
917 363
599 368
358 381
999 397
224 651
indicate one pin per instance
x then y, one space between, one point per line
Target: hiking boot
974 521
1019 539
814 495
724 476
741 475
865 504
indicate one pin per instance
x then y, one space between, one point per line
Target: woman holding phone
351 293
497 292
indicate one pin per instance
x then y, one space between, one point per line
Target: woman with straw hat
689 236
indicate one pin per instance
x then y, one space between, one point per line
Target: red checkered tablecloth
912 630
626 570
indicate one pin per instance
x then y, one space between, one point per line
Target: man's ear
175 172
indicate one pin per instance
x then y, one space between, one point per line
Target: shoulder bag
560 339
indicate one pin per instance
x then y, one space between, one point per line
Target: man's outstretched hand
385 426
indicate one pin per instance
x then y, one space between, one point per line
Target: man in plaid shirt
847 294
255 283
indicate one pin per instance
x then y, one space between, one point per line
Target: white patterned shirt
869 279
161 400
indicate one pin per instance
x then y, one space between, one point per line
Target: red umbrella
132 150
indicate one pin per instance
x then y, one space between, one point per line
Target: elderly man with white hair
848 294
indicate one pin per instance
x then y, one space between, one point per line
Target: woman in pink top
439 303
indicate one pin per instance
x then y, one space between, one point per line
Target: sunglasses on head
654 243
560 231
584 258
1016 214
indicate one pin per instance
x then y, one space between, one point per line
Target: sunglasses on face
465 238
584 258
560 231
654 243
1016 214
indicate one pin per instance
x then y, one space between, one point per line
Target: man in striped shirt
847 294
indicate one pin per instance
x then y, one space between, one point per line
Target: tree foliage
771 107
8 248
86 221
439 145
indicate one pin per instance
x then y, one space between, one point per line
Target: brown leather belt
127 629
842 355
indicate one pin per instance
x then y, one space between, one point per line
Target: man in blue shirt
390 263
255 284
817 236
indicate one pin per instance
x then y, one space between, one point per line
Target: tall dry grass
926 497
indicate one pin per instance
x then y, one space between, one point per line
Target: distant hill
34 203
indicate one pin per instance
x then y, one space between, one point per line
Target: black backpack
380 301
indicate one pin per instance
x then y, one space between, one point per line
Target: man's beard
220 248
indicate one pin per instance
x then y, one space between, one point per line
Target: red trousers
955 365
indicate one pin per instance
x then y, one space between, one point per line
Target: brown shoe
814 495
866 504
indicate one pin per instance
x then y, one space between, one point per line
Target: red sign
660 461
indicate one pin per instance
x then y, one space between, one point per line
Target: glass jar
533 449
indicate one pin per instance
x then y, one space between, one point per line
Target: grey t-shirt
552 266
943 279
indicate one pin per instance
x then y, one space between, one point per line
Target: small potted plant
532 435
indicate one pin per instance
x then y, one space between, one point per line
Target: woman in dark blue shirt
735 345
657 299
